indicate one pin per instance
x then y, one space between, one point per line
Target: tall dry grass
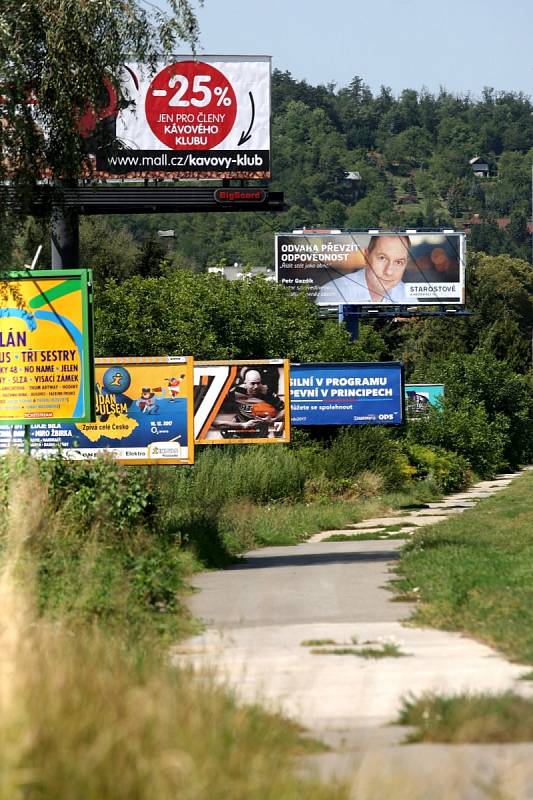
85 716
20 523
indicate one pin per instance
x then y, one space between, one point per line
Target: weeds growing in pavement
471 717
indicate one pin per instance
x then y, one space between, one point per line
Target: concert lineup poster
144 415
241 402
347 394
46 369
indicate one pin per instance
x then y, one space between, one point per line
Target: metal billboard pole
65 238
350 316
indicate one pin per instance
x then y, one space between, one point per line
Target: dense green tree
465 428
109 252
419 341
31 235
53 59
357 114
499 295
487 238
152 256
411 149
479 379
309 153
372 211
210 317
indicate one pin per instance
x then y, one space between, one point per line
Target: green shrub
99 491
225 474
355 450
466 430
479 379
99 552
449 471
309 451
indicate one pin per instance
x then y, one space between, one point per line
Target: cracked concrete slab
260 613
453 503
320 537
422 520
331 692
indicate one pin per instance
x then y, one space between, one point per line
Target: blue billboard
347 394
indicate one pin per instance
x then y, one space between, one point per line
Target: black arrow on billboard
245 136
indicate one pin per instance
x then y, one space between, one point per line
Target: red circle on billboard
190 105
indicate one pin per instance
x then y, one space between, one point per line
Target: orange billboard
241 402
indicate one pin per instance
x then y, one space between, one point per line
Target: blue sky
462 46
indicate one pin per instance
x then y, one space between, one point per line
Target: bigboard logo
229 196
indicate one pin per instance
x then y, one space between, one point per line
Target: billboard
420 396
144 415
347 394
46 369
363 269
191 117
241 402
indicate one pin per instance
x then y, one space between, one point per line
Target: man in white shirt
380 281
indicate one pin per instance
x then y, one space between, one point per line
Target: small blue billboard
347 394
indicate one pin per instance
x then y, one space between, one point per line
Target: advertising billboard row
362 269
191 117
154 410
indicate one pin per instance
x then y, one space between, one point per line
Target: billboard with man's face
377 269
241 402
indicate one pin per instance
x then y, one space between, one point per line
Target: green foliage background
410 155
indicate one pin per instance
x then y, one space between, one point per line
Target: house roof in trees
500 222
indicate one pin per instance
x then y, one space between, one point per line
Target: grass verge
464 718
245 525
472 573
237 499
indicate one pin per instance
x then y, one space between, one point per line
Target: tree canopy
54 57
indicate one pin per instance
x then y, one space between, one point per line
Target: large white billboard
193 117
374 268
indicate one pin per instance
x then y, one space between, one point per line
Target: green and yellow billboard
46 365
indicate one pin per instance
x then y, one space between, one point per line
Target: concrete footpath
275 620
